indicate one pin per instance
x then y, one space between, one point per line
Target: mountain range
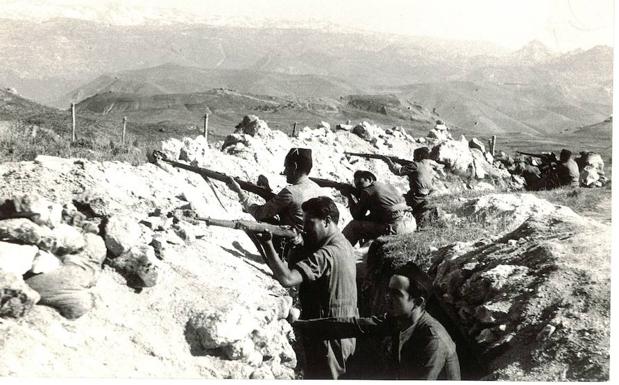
472 85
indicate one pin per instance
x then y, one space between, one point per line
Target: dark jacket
383 201
568 173
422 351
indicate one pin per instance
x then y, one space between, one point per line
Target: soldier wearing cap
420 179
380 210
567 170
287 203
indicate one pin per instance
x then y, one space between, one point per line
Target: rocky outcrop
528 304
16 298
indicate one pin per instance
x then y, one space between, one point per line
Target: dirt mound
162 326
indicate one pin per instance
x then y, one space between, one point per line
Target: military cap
301 157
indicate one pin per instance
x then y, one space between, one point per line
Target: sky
561 25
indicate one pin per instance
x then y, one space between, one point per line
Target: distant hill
498 108
174 79
226 107
601 130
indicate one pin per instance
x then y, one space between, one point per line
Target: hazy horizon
560 25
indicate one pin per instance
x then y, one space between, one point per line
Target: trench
371 360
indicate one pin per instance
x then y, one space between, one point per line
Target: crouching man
380 210
421 347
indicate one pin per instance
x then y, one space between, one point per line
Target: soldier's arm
359 208
334 328
433 359
271 208
286 276
395 168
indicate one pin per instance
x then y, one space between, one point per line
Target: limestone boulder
476 143
91 256
16 297
39 209
172 148
252 125
68 239
324 125
139 266
121 234
44 262
455 155
589 177
16 259
22 230
368 132
344 127
224 327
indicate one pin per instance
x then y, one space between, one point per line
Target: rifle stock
258 227
344 188
206 173
394 159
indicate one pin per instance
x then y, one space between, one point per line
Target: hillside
176 79
502 108
602 130
186 111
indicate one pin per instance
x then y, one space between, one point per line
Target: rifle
344 188
252 226
548 157
394 159
206 173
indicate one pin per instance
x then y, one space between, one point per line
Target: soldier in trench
420 179
324 269
380 210
421 347
287 203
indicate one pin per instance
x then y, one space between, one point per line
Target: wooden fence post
206 126
124 129
73 122
493 145
294 129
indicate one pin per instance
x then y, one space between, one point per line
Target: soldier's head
409 291
364 178
298 163
320 218
421 153
565 155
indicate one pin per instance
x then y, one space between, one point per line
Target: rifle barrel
259 227
206 173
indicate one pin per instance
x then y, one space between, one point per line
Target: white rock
222 328
43 211
16 259
68 239
121 234
16 297
44 262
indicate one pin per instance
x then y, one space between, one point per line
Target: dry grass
20 141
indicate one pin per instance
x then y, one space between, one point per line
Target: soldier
422 348
420 179
287 203
380 210
324 267
567 170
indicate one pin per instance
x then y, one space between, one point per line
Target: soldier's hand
265 236
234 186
298 240
263 182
